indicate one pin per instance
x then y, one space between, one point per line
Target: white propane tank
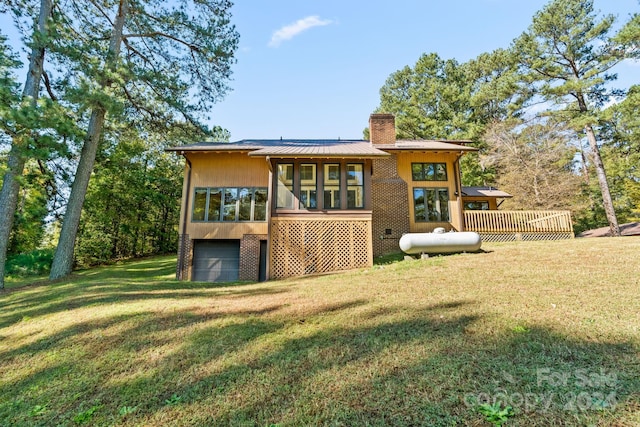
440 242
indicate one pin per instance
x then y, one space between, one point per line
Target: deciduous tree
534 162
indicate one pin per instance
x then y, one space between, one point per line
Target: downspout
184 221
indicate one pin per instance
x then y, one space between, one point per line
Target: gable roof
288 148
321 148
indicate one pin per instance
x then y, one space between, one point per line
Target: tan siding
404 171
222 170
228 169
225 230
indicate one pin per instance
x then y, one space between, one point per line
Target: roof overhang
323 148
356 150
484 192
427 145
211 148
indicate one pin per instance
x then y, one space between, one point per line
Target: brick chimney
382 129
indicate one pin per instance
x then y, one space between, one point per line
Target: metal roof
290 148
484 192
243 145
426 145
322 147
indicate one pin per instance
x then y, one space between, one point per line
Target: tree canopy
151 67
558 72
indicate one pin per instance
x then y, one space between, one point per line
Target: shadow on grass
400 256
256 367
128 282
255 363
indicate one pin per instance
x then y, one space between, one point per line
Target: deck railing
519 225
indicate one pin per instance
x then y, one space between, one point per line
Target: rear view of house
268 209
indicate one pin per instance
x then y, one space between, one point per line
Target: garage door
216 260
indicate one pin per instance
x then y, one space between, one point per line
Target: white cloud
290 31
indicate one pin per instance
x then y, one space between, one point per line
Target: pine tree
567 55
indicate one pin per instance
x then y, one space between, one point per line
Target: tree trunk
17 156
602 180
63 258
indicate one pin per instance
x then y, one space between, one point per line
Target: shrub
34 263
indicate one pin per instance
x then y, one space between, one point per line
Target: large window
332 186
260 204
230 204
285 186
308 186
355 185
431 204
200 204
429 171
215 204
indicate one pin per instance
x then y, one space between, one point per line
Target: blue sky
323 81
313 68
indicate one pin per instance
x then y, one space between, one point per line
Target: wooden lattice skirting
513 237
300 247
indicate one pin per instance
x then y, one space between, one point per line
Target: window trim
361 185
285 184
223 191
438 191
435 174
328 182
308 186
338 184
485 202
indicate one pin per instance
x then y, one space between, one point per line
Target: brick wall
250 257
185 255
390 218
382 129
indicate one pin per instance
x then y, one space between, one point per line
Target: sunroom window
431 204
355 185
285 186
308 186
229 204
332 186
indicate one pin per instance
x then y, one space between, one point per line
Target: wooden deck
504 226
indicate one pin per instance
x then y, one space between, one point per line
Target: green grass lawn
548 328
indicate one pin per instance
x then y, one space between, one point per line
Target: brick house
267 209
